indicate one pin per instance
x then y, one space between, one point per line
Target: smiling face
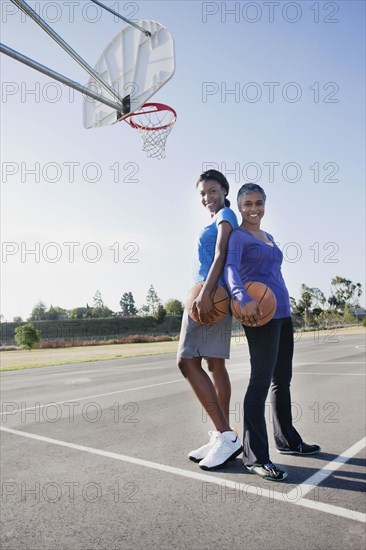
212 195
252 207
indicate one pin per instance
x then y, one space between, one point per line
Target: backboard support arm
64 80
23 6
146 32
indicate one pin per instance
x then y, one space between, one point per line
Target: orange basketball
262 294
221 302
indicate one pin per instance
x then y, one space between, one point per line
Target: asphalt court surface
94 456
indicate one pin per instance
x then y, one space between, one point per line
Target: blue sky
271 92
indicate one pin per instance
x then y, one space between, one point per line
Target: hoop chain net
154 140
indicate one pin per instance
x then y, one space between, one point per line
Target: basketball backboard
136 66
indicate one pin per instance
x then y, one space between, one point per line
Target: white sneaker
227 447
203 451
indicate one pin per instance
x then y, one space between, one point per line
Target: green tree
293 305
78 313
310 297
174 307
160 314
89 312
100 310
305 303
348 315
144 311
56 313
17 319
97 300
344 291
152 301
27 336
38 312
127 304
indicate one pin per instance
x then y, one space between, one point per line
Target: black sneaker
302 449
269 471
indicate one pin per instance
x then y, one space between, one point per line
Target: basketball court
94 456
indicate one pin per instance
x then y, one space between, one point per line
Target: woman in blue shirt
205 339
253 256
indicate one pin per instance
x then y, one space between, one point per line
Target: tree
293 305
38 312
348 316
100 310
78 313
174 307
127 304
344 292
160 314
309 297
97 300
56 313
152 301
27 336
17 319
144 311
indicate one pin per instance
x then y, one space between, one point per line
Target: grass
22 359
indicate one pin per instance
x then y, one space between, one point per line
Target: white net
154 125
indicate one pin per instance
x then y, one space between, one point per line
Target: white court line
321 373
233 371
314 480
320 363
77 399
91 397
268 493
333 373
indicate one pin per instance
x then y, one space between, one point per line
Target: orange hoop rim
155 107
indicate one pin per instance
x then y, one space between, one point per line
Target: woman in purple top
254 256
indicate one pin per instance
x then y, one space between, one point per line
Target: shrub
27 336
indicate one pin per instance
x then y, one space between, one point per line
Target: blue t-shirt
250 259
207 244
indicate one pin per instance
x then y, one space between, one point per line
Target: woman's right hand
205 307
250 313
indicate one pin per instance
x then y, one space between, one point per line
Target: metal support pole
57 76
146 33
34 15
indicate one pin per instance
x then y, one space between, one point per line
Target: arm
250 310
204 301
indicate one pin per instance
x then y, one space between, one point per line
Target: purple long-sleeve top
250 259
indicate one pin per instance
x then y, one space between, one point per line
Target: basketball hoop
154 121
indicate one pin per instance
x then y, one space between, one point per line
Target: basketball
221 302
264 296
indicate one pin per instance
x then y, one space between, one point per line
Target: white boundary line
314 480
91 397
231 372
268 493
333 373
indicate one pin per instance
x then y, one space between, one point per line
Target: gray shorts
198 340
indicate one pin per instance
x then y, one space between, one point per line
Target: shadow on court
342 479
